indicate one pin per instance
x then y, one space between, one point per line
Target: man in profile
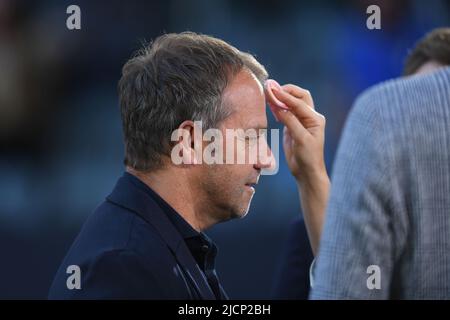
146 240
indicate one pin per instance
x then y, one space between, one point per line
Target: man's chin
242 213
236 211
237 214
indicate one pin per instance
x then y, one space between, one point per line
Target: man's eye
251 138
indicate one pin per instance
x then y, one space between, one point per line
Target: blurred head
430 53
187 77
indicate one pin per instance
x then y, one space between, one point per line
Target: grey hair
177 77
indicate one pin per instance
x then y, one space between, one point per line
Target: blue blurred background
61 147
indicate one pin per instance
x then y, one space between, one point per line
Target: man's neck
184 200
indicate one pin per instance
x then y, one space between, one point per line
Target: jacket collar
127 194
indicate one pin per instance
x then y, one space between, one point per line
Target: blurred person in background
431 53
389 204
30 64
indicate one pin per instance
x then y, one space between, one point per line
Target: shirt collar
183 227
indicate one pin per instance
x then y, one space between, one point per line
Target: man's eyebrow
256 127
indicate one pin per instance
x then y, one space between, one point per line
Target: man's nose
266 159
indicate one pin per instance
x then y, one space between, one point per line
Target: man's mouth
251 186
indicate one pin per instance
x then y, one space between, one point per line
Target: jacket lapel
128 195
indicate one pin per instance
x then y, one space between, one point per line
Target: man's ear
187 142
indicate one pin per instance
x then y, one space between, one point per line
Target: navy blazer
129 249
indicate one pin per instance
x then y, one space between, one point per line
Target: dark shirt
199 244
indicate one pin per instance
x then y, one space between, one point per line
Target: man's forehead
244 83
245 95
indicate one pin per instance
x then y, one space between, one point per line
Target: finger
287 139
296 106
270 97
287 143
296 130
300 93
